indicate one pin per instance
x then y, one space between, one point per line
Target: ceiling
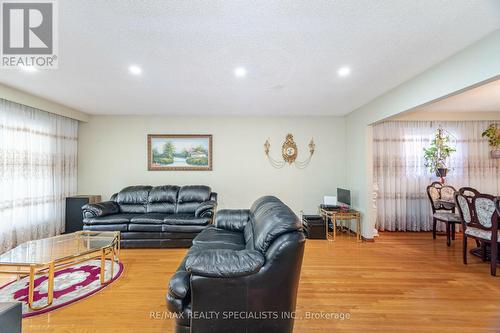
485 98
188 51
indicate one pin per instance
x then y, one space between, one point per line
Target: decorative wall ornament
289 152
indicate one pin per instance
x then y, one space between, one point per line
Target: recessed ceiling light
344 71
30 69
134 69
240 72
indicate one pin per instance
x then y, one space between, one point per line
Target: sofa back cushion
271 218
190 197
163 199
133 199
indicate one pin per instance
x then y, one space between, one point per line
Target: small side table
10 317
341 215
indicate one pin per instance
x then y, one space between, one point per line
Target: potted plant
493 135
437 153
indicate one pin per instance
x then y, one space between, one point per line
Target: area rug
70 285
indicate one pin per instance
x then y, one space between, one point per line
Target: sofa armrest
100 209
206 209
232 219
178 287
225 263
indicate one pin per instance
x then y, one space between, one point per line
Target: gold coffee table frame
341 215
22 269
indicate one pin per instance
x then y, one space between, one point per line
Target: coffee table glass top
53 249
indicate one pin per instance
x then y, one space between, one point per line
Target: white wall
476 64
112 154
424 115
21 97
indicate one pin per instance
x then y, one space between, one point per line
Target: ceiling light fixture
134 69
240 72
344 71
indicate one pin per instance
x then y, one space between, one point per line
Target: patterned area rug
70 285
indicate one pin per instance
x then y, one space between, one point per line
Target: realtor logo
29 34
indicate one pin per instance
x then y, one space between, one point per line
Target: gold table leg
104 253
112 263
50 287
103 265
50 292
31 286
119 245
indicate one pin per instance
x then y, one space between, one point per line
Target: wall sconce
289 153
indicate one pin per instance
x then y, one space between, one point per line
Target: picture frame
180 152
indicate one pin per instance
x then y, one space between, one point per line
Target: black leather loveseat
161 216
242 274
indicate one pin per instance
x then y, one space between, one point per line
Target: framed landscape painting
179 152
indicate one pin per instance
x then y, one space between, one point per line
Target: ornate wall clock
289 152
289 149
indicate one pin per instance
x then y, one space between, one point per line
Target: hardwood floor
404 282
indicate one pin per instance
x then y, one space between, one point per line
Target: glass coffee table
46 256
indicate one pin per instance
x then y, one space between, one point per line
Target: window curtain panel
401 178
38 170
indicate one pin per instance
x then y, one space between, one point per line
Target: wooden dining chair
442 202
497 205
479 213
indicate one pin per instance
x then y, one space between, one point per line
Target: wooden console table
341 215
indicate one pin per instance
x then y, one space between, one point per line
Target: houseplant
438 152
493 135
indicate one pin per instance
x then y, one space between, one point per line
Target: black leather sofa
161 216
242 274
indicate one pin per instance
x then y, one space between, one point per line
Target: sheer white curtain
401 178
38 169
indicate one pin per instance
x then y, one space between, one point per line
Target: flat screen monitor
344 196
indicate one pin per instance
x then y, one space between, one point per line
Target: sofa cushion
191 196
123 227
182 228
163 199
232 219
202 247
133 199
110 219
225 263
214 235
157 227
185 219
149 218
157 235
262 201
270 219
248 234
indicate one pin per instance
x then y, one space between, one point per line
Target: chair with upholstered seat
443 209
497 205
479 221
